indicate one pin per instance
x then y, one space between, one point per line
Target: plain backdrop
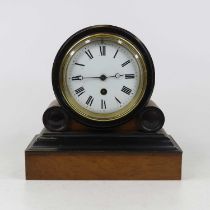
177 35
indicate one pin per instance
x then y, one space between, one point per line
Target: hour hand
91 77
102 77
80 77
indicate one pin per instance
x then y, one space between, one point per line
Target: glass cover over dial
103 77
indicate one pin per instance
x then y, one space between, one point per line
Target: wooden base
103 156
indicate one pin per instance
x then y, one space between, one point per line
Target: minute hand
117 75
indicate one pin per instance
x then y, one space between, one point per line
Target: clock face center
103 77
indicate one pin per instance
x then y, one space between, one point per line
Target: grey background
177 35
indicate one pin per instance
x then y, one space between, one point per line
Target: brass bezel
73 104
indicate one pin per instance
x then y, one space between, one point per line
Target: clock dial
103 76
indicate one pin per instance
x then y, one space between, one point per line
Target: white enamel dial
103 76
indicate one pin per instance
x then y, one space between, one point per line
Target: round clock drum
103 75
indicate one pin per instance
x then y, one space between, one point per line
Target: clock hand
91 77
117 75
80 77
102 77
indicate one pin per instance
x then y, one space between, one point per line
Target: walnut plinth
107 156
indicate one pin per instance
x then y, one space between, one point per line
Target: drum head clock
103 75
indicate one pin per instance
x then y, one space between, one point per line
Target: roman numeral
80 91
126 90
129 76
103 104
77 77
126 62
89 54
103 50
79 64
89 100
115 53
117 100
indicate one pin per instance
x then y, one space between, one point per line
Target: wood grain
103 165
